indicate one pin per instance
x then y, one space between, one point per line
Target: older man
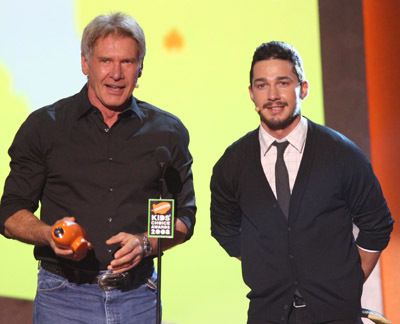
90 158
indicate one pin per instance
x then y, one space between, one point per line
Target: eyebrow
283 77
278 78
103 57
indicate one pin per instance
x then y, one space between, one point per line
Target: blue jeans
59 301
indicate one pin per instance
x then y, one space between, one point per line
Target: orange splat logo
161 208
173 40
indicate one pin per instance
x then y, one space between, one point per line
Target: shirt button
282 318
109 219
109 250
110 159
290 256
274 205
111 189
296 283
286 306
106 130
289 229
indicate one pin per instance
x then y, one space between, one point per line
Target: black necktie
282 184
282 178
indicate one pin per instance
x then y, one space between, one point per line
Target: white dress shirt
292 156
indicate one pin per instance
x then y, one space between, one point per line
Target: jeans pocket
48 281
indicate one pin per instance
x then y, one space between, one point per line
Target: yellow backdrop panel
197 67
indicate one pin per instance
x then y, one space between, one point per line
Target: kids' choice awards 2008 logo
161 218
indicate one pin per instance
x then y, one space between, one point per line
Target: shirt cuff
366 250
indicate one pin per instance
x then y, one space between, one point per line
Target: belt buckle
298 303
110 281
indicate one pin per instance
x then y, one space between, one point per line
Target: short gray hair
118 24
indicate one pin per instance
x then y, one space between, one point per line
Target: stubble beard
277 124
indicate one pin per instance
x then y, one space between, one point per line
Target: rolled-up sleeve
367 204
182 161
24 184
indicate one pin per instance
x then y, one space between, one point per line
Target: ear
140 69
85 65
304 90
251 93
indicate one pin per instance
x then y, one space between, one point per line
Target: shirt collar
296 138
86 106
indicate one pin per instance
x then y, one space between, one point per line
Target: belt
106 281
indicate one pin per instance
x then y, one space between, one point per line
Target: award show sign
161 218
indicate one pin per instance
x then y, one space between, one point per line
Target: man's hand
64 251
26 227
130 253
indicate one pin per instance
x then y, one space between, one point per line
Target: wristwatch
147 247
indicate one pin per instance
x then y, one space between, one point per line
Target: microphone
173 180
170 174
163 156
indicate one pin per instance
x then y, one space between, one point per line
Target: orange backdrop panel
382 48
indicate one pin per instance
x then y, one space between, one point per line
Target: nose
273 93
116 72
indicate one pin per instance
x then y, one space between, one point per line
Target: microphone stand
159 252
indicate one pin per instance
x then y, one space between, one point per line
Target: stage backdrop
197 67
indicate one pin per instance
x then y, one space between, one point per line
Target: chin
279 124
115 103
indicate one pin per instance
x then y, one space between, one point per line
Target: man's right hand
27 228
63 251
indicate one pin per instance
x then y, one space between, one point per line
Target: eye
104 60
260 85
129 61
284 83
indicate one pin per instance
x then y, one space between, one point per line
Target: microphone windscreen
162 155
173 180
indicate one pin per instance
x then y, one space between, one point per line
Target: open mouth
115 88
275 106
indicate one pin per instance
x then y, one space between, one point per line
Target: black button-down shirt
65 157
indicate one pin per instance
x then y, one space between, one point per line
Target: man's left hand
129 255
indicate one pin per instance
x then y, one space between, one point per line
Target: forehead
273 68
115 43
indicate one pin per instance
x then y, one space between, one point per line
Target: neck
281 133
110 114
110 117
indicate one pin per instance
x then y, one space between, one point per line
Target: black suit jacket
314 251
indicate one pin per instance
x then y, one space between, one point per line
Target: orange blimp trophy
70 234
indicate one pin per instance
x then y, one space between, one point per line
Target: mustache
274 103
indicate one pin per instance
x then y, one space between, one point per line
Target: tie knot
281 147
